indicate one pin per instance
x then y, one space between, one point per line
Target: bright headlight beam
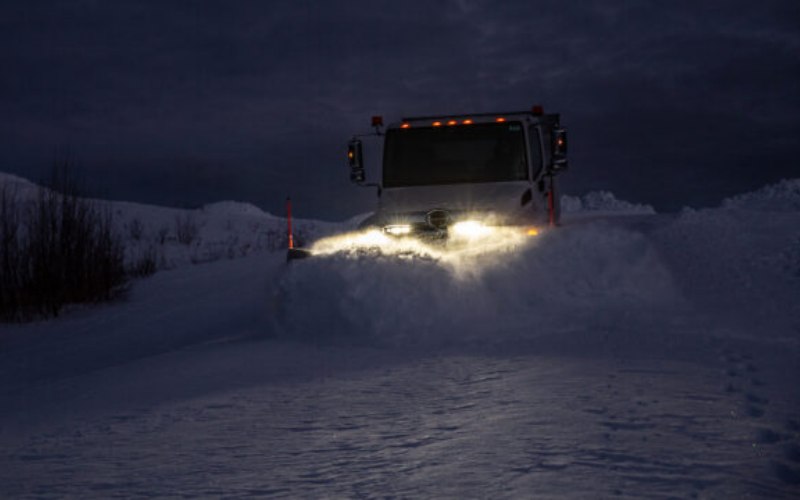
398 230
470 229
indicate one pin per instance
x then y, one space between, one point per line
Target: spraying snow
405 291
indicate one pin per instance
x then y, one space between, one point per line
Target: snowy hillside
174 237
626 354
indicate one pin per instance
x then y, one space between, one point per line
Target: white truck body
496 168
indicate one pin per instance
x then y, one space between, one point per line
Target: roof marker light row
439 123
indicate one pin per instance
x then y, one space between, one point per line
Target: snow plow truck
458 175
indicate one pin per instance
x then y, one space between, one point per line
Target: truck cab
494 169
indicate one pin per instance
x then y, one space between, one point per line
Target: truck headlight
398 229
470 229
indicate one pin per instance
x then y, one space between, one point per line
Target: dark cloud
189 102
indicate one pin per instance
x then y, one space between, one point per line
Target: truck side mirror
559 150
355 158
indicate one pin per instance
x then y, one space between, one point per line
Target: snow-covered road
638 357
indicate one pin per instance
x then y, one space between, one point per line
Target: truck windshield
486 152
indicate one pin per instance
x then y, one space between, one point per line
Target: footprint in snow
791 452
767 436
786 473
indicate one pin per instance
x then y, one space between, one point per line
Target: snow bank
23 189
783 196
742 259
15 181
216 231
601 201
226 208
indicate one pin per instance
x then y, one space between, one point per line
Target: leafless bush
161 235
61 250
146 264
13 265
185 229
136 229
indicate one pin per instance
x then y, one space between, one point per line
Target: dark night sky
182 103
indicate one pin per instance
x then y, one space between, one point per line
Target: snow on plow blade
460 241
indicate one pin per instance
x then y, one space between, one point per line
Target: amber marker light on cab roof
437 124
452 122
405 125
500 119
467 122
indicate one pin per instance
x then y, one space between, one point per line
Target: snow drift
783 196
602 202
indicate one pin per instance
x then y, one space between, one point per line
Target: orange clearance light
500 119
405 125
452 122
437 124
350 154
532 231
467 122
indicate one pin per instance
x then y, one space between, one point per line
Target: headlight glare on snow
470 229
468 249
350 241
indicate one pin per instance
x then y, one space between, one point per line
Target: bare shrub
185 229
161 235
13 265
146 264
136 229
62 250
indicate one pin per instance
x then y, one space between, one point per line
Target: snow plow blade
297 253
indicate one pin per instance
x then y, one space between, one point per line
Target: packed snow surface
625 354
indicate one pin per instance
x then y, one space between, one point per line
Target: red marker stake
289 221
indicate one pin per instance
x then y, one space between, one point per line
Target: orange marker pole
289 221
